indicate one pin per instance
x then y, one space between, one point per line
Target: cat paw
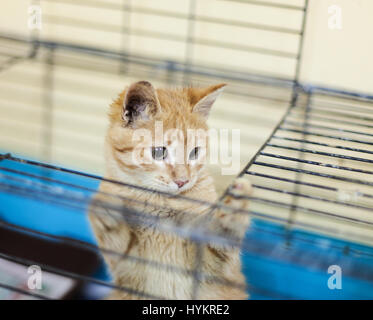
238 193
234 215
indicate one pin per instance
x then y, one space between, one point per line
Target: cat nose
180 183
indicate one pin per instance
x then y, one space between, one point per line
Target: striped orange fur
141 107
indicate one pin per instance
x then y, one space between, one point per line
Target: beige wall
340 57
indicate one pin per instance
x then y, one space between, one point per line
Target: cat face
159 138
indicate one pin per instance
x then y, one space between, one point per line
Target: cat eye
193 155
159 153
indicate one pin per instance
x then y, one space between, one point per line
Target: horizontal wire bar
176 15
316 110
356 252
115 6
327 106
270 4
339 93
323 144
304 209
248 25
230 91
308 184
309 125
334 155
323 175
161 64
234 91
305 132
302 195
246 48
332 120
253 173
68 21
22 291
315 163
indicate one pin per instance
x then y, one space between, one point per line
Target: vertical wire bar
301 43
48 85
294 101
189 46
125 44
298 176
197 270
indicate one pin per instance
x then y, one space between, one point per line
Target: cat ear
140 102
203 99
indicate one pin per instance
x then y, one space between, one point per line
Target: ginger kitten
160 165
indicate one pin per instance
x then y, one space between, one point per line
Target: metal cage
312 201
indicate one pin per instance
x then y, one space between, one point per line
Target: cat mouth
185 187
182 189
173 187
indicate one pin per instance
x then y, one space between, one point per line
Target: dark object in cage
312 202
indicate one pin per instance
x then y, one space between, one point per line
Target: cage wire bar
330 124
305 128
